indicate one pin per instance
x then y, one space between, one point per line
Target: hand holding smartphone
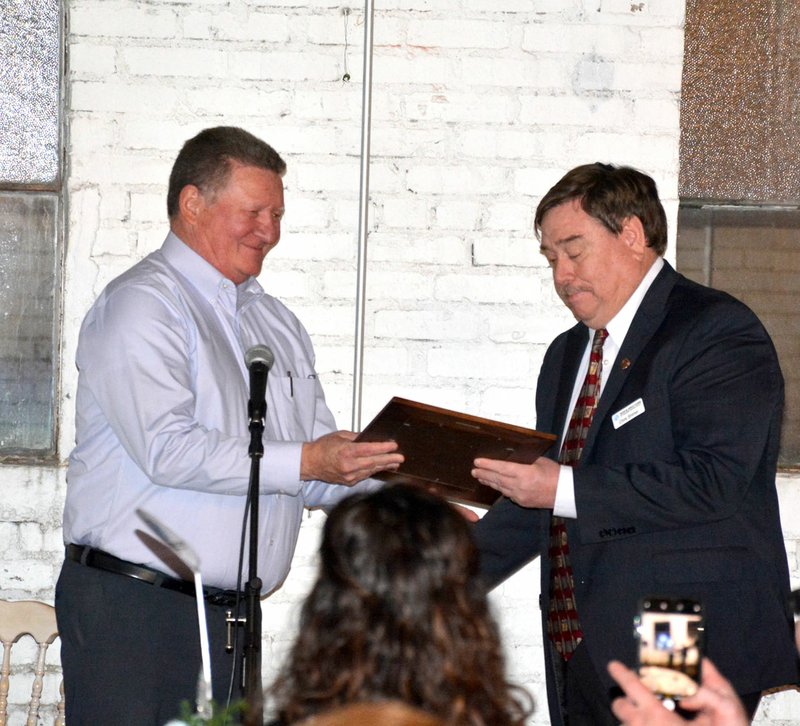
670 633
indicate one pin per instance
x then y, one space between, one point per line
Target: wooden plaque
440 445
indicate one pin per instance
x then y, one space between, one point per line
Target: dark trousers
587 702
130 651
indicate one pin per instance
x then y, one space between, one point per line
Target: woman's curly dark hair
397 612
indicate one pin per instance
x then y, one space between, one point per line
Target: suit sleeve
508 537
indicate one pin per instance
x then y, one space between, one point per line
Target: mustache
569 290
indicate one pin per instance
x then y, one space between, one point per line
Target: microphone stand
253 694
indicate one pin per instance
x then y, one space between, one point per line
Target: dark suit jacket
678 501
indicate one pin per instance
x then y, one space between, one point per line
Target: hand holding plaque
439 446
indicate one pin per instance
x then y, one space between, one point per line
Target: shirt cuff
564 505
280 468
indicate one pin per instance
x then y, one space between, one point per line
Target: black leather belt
100 560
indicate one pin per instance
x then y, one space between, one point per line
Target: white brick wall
478 107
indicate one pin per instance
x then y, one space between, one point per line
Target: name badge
631 411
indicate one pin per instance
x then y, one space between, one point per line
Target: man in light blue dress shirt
162 426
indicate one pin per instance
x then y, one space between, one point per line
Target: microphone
259 360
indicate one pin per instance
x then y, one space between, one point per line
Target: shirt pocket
296 407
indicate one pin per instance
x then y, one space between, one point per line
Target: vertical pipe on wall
363 208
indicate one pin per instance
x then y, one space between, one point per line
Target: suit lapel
575 344
645 323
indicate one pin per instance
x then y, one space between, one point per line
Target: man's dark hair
205 161
611 194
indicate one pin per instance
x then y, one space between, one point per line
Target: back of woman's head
397 612
397 555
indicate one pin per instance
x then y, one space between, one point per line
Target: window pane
754 254
28 238
29 91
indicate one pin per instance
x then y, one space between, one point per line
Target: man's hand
715 702
529 485
337 459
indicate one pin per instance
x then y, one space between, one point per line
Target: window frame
50 455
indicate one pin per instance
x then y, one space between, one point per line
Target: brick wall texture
478 106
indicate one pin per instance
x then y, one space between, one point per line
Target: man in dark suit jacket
674 493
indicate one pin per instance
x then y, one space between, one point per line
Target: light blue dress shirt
162 419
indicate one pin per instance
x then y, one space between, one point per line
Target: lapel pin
625 364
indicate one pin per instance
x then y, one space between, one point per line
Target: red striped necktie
563 627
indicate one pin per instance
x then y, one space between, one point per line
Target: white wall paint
478 107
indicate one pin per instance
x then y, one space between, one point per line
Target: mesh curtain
740 107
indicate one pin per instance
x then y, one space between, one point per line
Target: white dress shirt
617 328
162 419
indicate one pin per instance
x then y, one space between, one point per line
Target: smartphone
670 633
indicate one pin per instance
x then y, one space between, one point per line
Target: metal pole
363 209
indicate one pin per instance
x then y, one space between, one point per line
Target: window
754 254
30 212
739 186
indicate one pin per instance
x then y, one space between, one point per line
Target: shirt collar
619 325
203 275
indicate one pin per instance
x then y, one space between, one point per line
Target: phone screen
670 633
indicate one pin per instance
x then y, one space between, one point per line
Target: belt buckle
221 597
